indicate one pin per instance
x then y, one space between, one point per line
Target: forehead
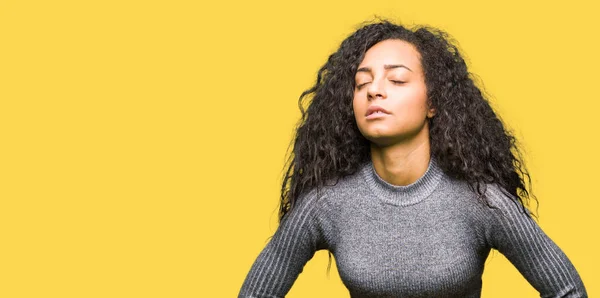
392 51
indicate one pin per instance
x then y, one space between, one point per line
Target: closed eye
393 81
361 85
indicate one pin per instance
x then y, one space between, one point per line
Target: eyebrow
386 67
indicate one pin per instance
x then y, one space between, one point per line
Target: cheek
355 105
358 109
415 102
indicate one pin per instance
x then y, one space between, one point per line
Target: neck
402 163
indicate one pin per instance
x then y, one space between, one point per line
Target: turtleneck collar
403 195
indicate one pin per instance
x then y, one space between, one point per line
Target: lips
376 109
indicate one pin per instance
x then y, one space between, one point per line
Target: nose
376 89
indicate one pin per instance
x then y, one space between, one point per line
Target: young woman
402 171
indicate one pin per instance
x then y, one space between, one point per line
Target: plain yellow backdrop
143 142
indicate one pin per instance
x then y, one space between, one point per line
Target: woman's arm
283 258
518 237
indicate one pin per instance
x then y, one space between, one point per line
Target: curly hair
467 138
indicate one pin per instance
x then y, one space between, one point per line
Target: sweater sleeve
518 237
294 243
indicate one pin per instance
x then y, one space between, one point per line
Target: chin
381 140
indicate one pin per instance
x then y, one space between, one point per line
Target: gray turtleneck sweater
427 239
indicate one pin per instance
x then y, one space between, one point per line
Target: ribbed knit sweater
427 239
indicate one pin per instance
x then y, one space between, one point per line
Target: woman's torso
430 247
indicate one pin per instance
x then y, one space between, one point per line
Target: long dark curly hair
467 138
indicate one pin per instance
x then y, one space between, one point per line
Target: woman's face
390 97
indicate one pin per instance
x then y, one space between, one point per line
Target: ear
431 113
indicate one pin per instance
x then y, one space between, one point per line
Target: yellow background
142 142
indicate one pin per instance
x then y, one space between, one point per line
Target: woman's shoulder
501 200
497 203
494 195
345 187
313 200
331 194
496 200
